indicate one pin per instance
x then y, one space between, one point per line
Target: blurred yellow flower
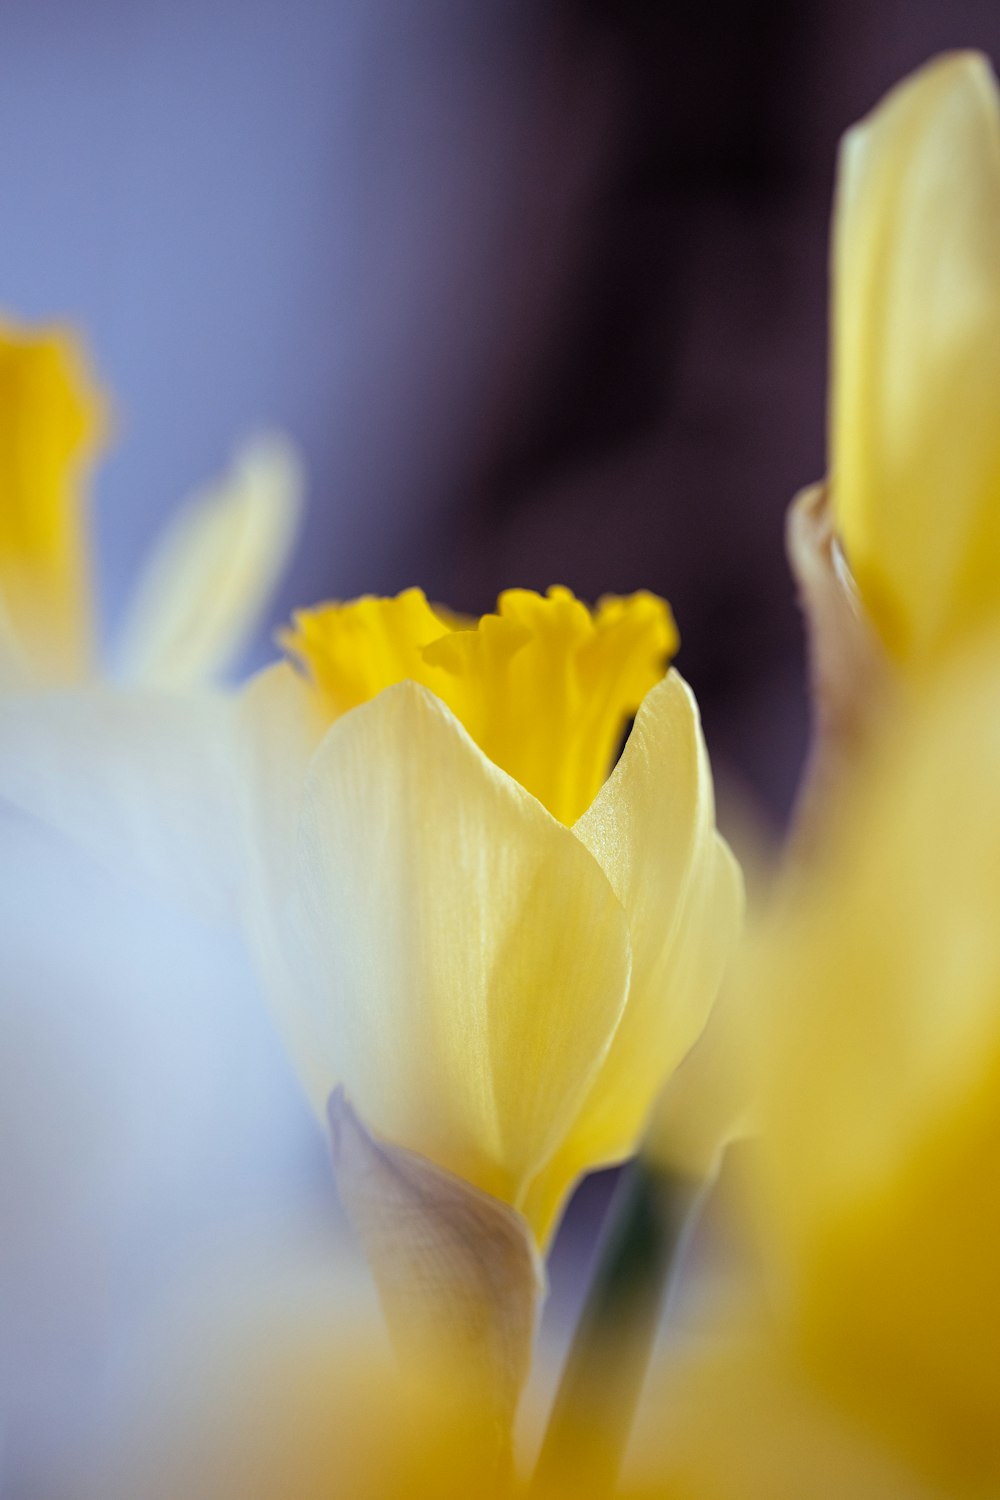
873 1038
882 1180
914 430
51 421
267 1375
500 953
207 581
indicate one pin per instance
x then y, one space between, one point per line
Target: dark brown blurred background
659 395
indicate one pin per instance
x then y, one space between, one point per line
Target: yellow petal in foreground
266 1376
914 435
875 1043
51 420
735 1417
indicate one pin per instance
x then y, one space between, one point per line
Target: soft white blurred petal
142 780
144 1110
213 572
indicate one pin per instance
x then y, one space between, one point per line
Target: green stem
602 1381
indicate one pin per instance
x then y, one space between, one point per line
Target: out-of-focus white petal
213 571
279 726
142 780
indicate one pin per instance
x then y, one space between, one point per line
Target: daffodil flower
914 433
487 936
499 949
207 581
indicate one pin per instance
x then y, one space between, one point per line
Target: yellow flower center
51 418
545 686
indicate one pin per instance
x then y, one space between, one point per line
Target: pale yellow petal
652 829
874 1026
214 570
142 781
262 1373
733 1416
915 436
51 424
462 955
893 936
707 1102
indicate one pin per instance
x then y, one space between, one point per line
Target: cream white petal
141 780
459 952
279 726
213 571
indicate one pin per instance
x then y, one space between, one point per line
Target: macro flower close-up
468 1026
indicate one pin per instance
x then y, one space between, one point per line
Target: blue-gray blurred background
540 290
